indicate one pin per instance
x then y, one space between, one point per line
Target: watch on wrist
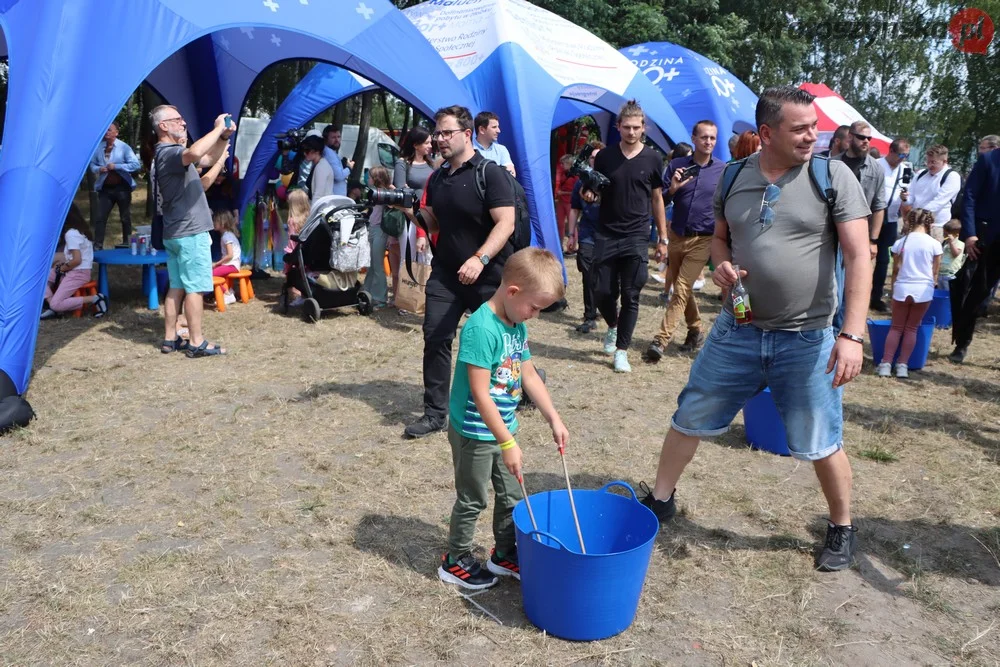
856 339
873 241
484 258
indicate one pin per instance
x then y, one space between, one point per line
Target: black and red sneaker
506 566
466 572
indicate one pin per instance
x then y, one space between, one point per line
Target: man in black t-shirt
473 244
620 243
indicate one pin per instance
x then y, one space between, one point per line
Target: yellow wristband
504 446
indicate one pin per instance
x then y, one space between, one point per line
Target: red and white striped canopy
833 112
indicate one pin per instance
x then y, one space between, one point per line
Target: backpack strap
819 173
920 174
729 175
481 178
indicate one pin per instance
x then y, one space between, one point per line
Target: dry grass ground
262 508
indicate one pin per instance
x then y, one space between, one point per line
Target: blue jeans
737 362
375 283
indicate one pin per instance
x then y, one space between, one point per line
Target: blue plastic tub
589 596
940 309
765 430
879 329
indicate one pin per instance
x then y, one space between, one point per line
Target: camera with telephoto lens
402 197
290 140
590 178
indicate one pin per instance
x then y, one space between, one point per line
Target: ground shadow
545 351
943 422
978 389
398 403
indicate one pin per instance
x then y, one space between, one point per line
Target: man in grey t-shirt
784 238
187 221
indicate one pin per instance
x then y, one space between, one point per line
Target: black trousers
107 197
446 300
621 267
984 279
585 265
885 240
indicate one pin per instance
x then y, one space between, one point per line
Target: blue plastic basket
589 596
765 430
879 329
940 309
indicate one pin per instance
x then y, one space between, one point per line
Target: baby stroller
332 248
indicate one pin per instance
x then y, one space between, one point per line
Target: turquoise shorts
189 263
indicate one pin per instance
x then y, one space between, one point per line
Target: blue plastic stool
878 330
765 430
576 596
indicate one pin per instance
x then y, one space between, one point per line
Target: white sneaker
611 340
902 371
883 370
698 284
658 277
229 298
621 362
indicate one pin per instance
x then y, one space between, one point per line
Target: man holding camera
341 167
621 258
897 177
693 180
472 246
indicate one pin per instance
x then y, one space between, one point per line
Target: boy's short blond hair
953 226
535 270
938 151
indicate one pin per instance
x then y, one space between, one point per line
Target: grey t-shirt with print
182 197
790 264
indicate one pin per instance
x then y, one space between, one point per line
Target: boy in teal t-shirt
494 366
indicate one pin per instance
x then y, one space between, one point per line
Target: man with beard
341 167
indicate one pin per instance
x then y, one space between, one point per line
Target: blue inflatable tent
517 60
65 89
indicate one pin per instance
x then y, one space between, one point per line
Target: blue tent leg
149 286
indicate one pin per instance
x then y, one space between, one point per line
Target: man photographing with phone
693 180
621 258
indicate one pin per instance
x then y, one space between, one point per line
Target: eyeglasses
445 134
771 194
861 137
172 120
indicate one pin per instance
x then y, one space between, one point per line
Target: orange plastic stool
88 289
246 287
218 282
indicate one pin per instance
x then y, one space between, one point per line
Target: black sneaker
504 567
663 509
693 341
465 572
101 306
586 327
424 427
526 403
654 352
878 306
958 356
838 551
556 307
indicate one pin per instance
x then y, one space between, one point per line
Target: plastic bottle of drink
133 245
741 300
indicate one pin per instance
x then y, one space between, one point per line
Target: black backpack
521 238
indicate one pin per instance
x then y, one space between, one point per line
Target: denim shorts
189 263
739 361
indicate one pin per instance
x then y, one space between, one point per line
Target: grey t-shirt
790 265
182 198
412 176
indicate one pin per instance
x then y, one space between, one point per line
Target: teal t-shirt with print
487 342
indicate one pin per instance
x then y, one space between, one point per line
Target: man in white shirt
487 131
331 137
934 189
892 166
321 179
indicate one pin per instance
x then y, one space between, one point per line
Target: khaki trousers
687 256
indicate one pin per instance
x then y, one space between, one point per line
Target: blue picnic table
124 257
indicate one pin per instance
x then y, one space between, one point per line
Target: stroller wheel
365 305
283 302
310 311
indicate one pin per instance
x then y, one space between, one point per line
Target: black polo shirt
464 220
627 202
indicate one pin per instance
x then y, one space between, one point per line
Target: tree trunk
406 124
385 112
340 114
361 147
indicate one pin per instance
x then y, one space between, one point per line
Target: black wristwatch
873 241
856 339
